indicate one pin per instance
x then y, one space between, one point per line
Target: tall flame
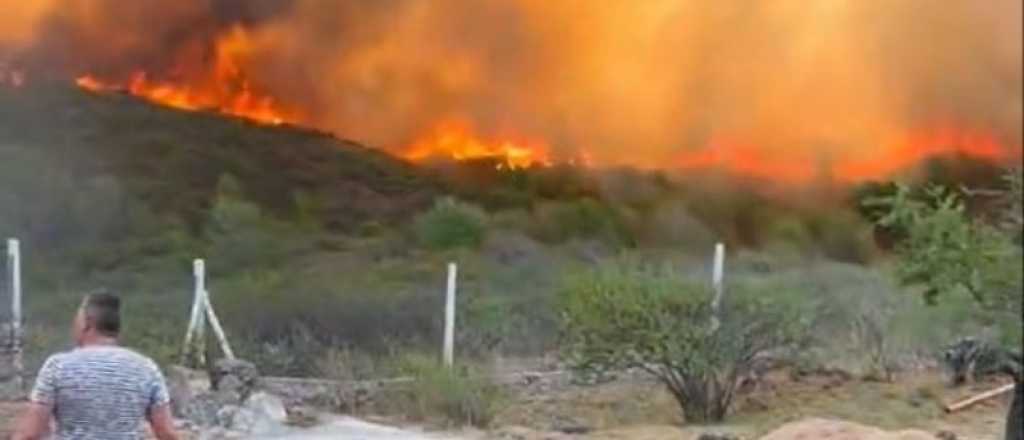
457 140
224 88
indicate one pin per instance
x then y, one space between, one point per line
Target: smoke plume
649 83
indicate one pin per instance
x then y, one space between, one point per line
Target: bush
557 222
628 316
240 236
461 396
450 224
670 224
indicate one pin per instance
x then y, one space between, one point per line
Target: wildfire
899 155
920 145
457 140
223 87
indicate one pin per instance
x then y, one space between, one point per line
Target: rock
515 433
717 436
261 414
226 415
945 435
203 410
180 389
571 427
268 406
232 389
302 416
234 376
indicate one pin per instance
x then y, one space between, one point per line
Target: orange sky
767 87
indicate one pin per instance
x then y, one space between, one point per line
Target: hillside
173 159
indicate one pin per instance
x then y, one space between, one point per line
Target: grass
629 409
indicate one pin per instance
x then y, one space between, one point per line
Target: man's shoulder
113 354
54 361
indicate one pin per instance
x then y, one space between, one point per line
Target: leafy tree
623 317
946 251
451 224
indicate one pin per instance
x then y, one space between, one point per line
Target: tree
946 251
623 317
451 224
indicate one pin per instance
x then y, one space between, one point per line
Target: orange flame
896 156
456 140
224 88
922 144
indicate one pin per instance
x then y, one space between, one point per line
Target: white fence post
448 353
717 278
14 269
217 329
195 335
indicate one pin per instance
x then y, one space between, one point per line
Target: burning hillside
785 91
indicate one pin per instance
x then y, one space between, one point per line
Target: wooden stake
957 406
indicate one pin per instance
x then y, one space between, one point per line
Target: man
99 390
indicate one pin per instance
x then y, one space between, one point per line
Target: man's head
98 319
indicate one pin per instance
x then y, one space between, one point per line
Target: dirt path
355 429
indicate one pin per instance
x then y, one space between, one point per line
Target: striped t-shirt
100 392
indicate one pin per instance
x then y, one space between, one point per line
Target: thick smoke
630 82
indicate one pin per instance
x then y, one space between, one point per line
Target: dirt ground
645 411
637 410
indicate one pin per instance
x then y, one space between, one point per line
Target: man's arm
162 422
34 423
159 412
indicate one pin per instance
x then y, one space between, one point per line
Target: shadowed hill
174 159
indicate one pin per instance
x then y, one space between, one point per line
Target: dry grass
644 410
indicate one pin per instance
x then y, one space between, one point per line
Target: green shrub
462 395
626 316
347 364
240 236
451 224
557 222
670 224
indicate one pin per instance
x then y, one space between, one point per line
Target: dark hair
103 310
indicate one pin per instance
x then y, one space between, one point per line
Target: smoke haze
646 83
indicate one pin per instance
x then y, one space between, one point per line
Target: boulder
234 376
